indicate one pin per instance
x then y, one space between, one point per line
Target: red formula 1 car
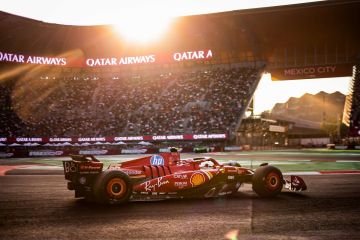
166 176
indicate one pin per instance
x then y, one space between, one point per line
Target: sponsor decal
197 179
21 139
93 152
181 185
19 58
89 168
6 155
175 137
309 70
276 128
196 55
46 153
167 137
324 71
241 171
132 138
60 139
11 57
2 139
70 166
180 176
157 160
341 147
133 151
209 136
46 60
233 148
171 137
92 139
132 172
95 62
158 137
153 185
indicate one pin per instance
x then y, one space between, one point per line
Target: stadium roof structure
318 33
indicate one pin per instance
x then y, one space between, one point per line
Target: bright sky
157 13
90 12
270 92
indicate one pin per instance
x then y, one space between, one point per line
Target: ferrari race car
166 176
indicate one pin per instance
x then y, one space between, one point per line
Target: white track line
301 173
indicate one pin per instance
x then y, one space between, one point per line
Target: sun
143 28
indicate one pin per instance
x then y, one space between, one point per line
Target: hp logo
157 160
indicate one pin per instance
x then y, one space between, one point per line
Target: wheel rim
273 181
116 188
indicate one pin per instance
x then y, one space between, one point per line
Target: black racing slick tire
112 187
267 181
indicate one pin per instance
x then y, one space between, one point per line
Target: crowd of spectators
202 101
227 98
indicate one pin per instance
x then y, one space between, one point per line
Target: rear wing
81 165
84 158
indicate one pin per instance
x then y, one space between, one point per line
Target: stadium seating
195 101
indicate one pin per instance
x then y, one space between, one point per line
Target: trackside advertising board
214 136
308 72
108 61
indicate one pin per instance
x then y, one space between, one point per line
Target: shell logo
197 179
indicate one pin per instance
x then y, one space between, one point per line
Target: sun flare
143 29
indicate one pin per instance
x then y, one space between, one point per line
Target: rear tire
112 187
267 181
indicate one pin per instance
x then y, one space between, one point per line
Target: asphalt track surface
40 207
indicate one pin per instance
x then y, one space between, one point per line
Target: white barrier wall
309 141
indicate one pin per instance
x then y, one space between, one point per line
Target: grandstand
83 84
196 102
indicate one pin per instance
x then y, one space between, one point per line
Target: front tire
112 187
267 181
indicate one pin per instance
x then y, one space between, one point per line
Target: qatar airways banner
173 137
24 59
308 72
115 61
214 136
